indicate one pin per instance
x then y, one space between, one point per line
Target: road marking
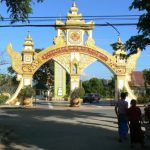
50 106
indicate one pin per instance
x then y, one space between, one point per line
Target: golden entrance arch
76 54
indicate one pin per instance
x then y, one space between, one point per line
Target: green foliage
3 98
141 5
6 79
66 97
143 38
146 73
117 45
104 87
137 42
94 85
3 79
77 93
13 75
45 74
8 84
8 89
11 70
123 90
27 92
19 9
143 99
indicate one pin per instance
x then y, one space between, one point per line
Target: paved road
55 126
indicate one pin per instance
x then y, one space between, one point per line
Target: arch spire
74 3
28 43
73 13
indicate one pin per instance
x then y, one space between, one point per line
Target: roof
137 79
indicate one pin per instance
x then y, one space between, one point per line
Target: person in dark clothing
147 112
134 121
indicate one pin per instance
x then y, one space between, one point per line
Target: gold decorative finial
74 9
28 36
73 4
119 40
75 20
28 40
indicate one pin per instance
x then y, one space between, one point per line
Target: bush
77 93
143 99
27 92
75 97
3 98
66 97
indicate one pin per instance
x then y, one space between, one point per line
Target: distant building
137 83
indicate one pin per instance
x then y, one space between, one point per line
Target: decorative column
120 77
27 58
74 71
119 85
75 81
60 81
73 30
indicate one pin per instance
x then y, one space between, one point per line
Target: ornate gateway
74 53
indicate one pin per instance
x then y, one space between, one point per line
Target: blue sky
103 36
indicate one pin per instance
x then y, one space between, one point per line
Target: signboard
59 91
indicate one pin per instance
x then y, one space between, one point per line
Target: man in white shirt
128 100
121 110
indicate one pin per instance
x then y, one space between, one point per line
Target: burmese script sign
80 49
42 58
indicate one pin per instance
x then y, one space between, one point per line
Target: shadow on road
41 129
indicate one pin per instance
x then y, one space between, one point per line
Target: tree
13 74
94 85
19 9
3 60
7 84
45 74
142 40
146 73
110 88
106 88
3 79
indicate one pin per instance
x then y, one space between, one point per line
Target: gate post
27 80
59 81
119 85
75 81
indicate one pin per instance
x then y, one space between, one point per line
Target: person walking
121 112
134 121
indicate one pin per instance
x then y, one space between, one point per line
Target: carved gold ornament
75 36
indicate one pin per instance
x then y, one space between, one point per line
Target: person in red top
134 121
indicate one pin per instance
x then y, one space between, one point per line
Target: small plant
66 97
77 93
27 92
75 97
143 99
